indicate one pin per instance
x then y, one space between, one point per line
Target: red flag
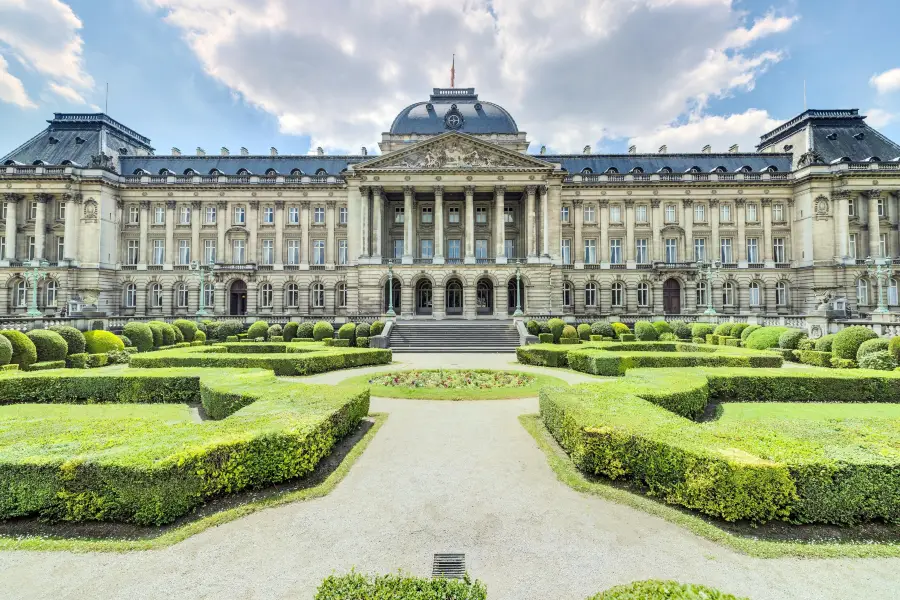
453 72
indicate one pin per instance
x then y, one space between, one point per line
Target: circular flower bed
455 384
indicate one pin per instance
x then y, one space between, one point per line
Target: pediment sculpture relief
454 154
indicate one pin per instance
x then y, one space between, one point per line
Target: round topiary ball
879 361
848 340
894 348
584 332
166 332
179 337
662 327
377 328
101 342
48 344
764 338
681 329
274 330
74 338
603 328
259 329
290 331
869 346
363 330
140 334
305 330
790 338
823 344
6 350
322 330
620 328
723 329
569 332
199 336
556 328
653 589
748 330
187 329
24 352
701 330
347 331
645 332
532 327
737 329
157 331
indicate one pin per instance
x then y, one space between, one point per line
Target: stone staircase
454 336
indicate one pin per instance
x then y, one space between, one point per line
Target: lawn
811 411
455 384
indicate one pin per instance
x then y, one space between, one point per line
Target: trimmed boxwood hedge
823 344
305 330
376 329
602 361
6 350
867 347
101 342
290 330
356 586
47 365
584 332
546 338
848 340
557 326
50 346
745 333
645 332
187 328
815 358
791 338
764 338
653 589
603 329
701 330
258 329
74 338
347 331
24 352
322 330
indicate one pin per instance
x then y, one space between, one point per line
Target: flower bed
451 384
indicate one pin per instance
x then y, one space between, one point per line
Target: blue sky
295 74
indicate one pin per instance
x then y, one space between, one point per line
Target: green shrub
603 328
545 326
125 340
701 330
532 327
681 329
187 328
74 338
806 344
764 338
101 342
842 363
543 355
698 340
879 360
363 330
620 328
274 331
120 357
6 350
362 341
815 358
645 332
565 340
556 328
584 332
626 337
258 329
732 341
867 347
723 329
712 339
199 338
24 352
77 361
662 327
47 365
790 338
290 330
167 333
347 332
894 348
97 360
50 346
305 330
232 338
663 590
376 329
9 367
848 340
737 329
157 331
569 333
668 337
323 330
545 338
355 586
748 330
341 342
597 361
179 337
226 329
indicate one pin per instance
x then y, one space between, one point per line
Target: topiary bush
347 332
376 329
823 344
894 348
102 342
867 347
290 331
701 330
556 328
187 329
880 360
848 340
545 326
322 330
790 338
737 328
653 589
603 328
569 333
748 330
532 327
806 344
166 331
274 331
24 353
723 329
620 329
6 350
645 332
668 337
662 327
199 337
584 332
179 337
125 340
226 329
764 338
258 329
157 333
363 330
681 329
74 338
50 346
305 331
140 334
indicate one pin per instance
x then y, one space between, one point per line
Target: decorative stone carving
90 209
821 206
454 152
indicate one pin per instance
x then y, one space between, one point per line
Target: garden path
441 477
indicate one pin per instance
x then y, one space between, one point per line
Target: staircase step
454 336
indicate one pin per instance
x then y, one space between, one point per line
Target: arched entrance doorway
424 297
515 294
237 304
672 297
453 298
484 297
396 293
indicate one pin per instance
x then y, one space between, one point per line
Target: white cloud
11 88
571 72
886 82
720 132
66 92
877 117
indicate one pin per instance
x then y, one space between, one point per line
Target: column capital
279 204
171 204
765 202
254 204
363 190
577 201
740 201
438 191
221 204
713 202
603 202
875 193
79 198
687 202
843 194
13 198
409 190
67 197
531 189
629 202
330 204
196 204
470 190
377 190
145 204
654 202
43 198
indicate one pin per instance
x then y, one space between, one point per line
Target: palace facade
456 209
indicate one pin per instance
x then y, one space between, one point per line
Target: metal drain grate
449 566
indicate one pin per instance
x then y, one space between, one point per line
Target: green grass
178 534
569 474
813 411
536 382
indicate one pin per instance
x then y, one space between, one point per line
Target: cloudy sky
297 74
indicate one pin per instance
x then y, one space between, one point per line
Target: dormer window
637 171
771 169
587 171
53 140
79 140
612 171
694 170
720 169
831 136
321 172
745 169
666 170
859 136
243 173
296 172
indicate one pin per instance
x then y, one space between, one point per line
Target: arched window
243 173
720 169
612 171
666 170
754 293
781 293
746 169
590 294
862 292
321 172
292 295
51 288
617 294
587 171
694 170
728 293
181 295
567 295
317 295
892 291
296 172
643 294
637 171
265 295
130 296
771 169
701 294
271 172
340 293
156 295
21 295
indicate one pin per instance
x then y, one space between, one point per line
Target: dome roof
453 109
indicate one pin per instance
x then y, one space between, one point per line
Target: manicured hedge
584 332
645 332
701 330
557 326
867 347
347 332
815 358
199 338
764 337
620 328
356 586
50 346
163 333
653 589
6 350
881 360
626 337
532 327
363 330
101 342
790 338
544 354
362 341
723 329
77 361
611 364
258 329
662 327
187 328
745 333
274 331
568 333
24 352
546 338
290 331
322 330
376 329
682 330
848 340
74 338
603 329
47 365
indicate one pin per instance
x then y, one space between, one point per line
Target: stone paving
441 477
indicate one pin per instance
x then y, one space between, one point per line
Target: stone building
458 207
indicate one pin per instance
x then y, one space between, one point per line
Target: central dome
453 109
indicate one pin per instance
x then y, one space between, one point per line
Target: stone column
196 216
68 232
409 204
377 224
252 225
874 225
470 226
603 250
40 225
656 252
768 251
365 225
438 225
842 224
741 242
688 225
329 233
714 252
170 235
545 222
144 249
221 227
279 236
499 224
12 207
304 236
629 233
578 251
531 226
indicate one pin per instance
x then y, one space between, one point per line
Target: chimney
663 149
201 151
632 149
224 151
273 151
543 150
587 149
733 149
244 151
176 151
364 151
707 149
320 151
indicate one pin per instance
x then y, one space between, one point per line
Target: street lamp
202 273
881 270
707 270
34 276
390 310
518 312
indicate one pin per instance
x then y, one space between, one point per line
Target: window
671 250
317 295
701 294
725 213
159 215
2 245
269 215
5 209
292 295
31 247
481 249
340 293
565 250
567 295
615 251
265 295
615 213
159 252
156 295
862 292
209 295
51 288
589 213
640 251
319 215
209 252
453 249
643 294
342 215
318 252
564 214
781 293
343 252
481 214
134 214
778 248
133 253
21 295
427 248
398 215
590 294
699 213
752 250
778 212
181 295
427 215
617 294
293 252
130 296
881 208
892 291
851 247
509 214
882 244
398 249
239 215
60 248
61 211
725 254
640 213
238 252
699 249
754 293
294 215
210 215
590 252
453 215
670 214
851 207
32 211
752 213
184 215
728 293
184 252
268 252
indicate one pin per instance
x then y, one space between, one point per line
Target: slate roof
477 116
678 163
230 165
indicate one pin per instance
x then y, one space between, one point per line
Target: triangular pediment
453 151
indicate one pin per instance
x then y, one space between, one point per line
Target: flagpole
453 72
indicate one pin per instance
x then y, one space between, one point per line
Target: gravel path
441 477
